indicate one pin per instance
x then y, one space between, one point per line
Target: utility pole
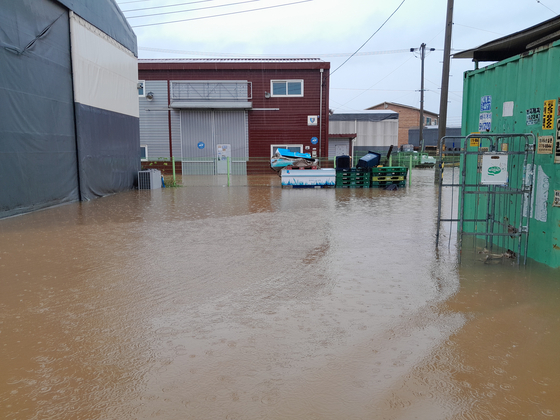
421 124
442 123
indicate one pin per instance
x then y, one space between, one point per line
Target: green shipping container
521 95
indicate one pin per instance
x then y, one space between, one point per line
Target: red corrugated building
204 111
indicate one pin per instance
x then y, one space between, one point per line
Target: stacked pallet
353 178
388 175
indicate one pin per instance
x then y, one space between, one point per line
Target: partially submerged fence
495 190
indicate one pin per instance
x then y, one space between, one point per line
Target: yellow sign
548 114
475 141
545 145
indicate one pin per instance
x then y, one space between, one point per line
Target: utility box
149 179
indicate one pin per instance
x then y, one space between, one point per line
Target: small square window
286 87
143 153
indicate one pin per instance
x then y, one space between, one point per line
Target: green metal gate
495 190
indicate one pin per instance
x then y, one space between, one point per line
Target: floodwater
257 302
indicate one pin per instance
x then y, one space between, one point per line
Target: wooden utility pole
444 86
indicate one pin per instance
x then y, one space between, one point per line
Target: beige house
409 117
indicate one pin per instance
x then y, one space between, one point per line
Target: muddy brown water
257 302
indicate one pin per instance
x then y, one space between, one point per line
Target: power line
193 10
168 5
133 1
224 14
541 3
368 38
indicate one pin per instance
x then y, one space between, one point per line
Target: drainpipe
169 118
320 114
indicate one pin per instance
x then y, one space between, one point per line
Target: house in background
409 117
354 134
230 115
69 125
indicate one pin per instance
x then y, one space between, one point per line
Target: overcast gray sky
331 30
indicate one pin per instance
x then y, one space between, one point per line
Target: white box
494 169
308 177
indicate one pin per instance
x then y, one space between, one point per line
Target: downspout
320 115
169 119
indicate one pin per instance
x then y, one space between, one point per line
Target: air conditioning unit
149 179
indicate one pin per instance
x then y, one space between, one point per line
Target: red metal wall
266 127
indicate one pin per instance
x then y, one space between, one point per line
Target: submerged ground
257 302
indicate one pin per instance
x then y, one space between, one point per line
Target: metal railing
211 91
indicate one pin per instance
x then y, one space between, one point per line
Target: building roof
516 43
233 64
374 116
343 136
403 106
106 16
229 60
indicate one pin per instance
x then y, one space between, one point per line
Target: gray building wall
154 122
430 135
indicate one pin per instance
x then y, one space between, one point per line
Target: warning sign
533 116
545 145
548 114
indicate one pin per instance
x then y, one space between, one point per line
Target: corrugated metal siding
288 125
285 119
376 134
527 81
154 126
212 128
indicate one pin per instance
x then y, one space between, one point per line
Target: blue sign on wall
314 140
201 145
486 103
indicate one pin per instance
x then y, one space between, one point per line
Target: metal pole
442 123
421 125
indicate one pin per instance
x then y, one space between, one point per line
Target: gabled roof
401 105
374 116
517 43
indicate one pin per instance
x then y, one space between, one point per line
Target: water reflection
253 301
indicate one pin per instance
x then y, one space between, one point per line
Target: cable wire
223 14
168 5
193 10
387 20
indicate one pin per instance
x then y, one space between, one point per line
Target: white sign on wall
312 119
494 169
485 122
